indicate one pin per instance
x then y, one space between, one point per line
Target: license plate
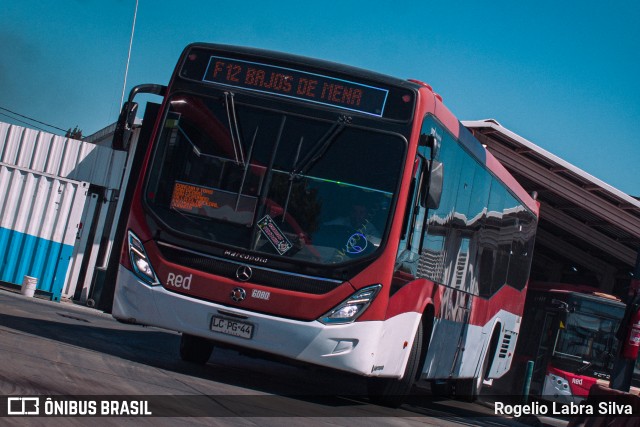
232 327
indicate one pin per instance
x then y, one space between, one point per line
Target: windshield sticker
274 235
357 243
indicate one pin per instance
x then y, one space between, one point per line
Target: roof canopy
588 229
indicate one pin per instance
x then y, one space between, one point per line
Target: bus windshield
587 335
272 182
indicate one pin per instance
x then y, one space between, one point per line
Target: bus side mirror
430 142
124 126
436 180
559 305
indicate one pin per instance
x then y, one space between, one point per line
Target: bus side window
434 191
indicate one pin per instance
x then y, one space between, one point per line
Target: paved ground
64 350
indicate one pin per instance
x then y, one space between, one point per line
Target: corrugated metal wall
39 217
45 194
60 156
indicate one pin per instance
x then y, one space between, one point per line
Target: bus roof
306 61
567 288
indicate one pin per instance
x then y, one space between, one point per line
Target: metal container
40 217
69 160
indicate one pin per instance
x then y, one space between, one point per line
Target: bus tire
467 390
392 392
195 349
441 389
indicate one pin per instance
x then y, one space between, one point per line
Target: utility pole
126 71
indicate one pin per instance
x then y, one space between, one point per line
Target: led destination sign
296 84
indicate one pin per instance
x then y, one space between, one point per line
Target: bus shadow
290 390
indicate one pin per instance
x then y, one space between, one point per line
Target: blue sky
563 74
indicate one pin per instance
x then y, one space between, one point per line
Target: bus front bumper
364 348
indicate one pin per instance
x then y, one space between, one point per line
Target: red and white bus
571 338
326 214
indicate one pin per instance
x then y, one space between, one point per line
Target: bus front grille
261 275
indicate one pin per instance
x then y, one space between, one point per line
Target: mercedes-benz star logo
238 294
243 273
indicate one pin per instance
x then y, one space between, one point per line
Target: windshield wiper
196 149
603 357
191 220
233 128
320 147
266 184
295 163
246 168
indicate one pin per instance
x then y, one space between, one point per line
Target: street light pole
126 71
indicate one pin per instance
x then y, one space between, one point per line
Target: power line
32 119
23 122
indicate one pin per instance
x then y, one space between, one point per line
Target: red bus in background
326 214
571 338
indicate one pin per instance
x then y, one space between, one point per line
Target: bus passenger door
543 353
457 305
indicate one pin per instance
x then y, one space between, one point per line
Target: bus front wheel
195 349
390 391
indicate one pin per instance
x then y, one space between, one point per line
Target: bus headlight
140 262
351 308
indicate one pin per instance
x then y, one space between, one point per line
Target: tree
76 133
